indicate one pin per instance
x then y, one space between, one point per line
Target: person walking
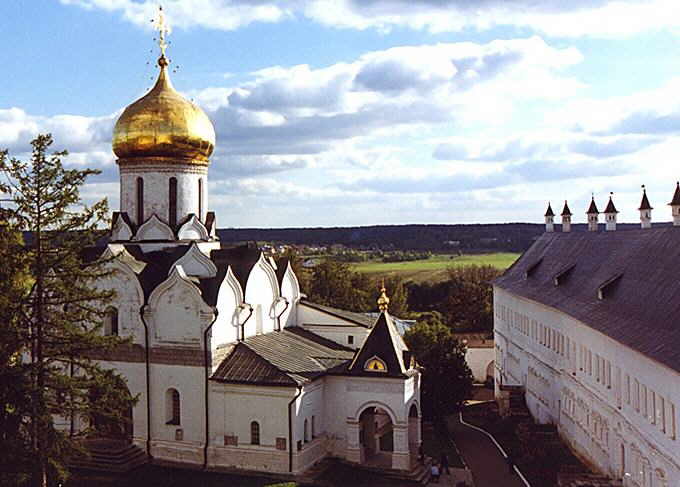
444 462
511 464
434 471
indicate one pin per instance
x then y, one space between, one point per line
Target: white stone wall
587 384
331 327
261 292
478 359
156 191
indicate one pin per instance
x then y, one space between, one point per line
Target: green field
433 269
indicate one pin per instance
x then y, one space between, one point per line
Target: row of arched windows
172 200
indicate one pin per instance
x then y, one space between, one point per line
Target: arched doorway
376 437
413 433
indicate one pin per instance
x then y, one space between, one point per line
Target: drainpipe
290 429
148 382
242 326
278 317
207 392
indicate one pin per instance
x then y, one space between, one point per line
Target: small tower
675 206
593 215
566 218
549 219
610 213
645 210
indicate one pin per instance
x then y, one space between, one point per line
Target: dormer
563 274
532 268
605 289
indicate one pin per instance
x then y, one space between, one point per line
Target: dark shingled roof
610 207
281 266
357 318
676 196
638 269
566 211
644 204
549 211
241 259
593 207
385 343
289 357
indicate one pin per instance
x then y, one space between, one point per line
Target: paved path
488 465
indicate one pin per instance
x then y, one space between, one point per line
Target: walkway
488 465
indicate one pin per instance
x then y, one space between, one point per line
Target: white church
233 367
587 324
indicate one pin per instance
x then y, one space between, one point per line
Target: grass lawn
435 268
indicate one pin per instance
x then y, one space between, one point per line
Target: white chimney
566 218
549 219
610 213
593 214
645 210
675 205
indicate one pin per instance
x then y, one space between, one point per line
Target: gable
155 229
196 263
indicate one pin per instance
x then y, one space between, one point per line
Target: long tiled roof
624 284
357 318
288 357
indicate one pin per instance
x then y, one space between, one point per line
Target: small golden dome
164 124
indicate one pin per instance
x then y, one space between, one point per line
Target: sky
365 112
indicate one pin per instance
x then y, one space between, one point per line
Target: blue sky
360 112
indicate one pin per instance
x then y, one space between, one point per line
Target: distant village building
587 324
233 368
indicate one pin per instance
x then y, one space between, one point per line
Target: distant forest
510 237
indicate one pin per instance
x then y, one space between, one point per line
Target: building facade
586 323
232 366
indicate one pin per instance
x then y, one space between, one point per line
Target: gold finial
163 29
383 300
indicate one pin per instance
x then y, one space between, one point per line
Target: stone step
118 459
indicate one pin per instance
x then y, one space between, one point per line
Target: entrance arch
376 437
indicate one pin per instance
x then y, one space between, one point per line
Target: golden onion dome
164 124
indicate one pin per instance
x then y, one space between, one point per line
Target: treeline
463 302
506 237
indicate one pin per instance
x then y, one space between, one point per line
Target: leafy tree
446 379
55 324
469 303
335 284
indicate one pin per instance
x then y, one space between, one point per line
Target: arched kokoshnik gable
177 312
196 264
261 292
290 290
155 229
193 229
225 292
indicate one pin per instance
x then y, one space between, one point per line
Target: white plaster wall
624 424
478 359
261 291
290 290
156 192
223 330
340 334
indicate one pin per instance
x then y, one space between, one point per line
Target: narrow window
200 199
254 433
172 406
111 321
350 339
172 202
140 201
306 433
313 428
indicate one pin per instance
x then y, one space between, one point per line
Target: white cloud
573 18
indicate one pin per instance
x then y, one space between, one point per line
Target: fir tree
55 326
